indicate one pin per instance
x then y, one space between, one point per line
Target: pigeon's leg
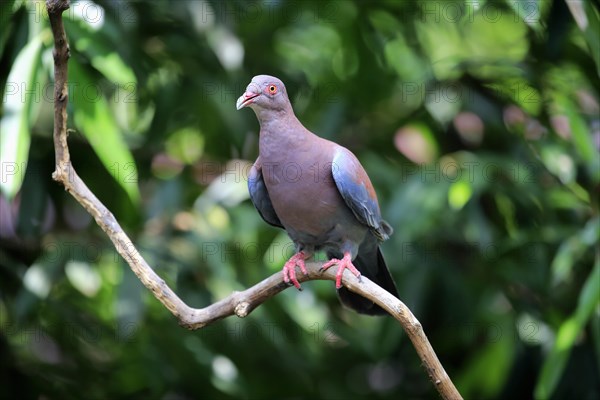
289 269
344 263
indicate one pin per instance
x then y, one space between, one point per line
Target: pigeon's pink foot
342 264
289 269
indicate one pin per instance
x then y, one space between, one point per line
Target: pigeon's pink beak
246 99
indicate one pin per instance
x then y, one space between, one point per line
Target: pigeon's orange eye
272 89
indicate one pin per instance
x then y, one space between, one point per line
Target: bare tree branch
238 303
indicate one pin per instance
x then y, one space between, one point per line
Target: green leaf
112 67
494 45
385 23
93 117
568 332
479 380
559 163
586 17
521 92
581 134
580 131
97 47
296 46
404 60
459 194
444 46
502 38
15 123
572 249
6 12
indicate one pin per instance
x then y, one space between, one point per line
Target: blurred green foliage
478 123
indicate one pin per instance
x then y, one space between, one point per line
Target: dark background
478 125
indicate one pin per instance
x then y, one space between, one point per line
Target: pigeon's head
264 93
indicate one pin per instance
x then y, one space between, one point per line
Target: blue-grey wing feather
260 196
353 184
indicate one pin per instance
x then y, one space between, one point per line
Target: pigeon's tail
371 264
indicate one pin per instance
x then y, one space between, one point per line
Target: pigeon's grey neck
280 121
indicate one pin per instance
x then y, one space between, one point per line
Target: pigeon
318 192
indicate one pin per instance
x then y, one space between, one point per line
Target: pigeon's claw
344 263
289 269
